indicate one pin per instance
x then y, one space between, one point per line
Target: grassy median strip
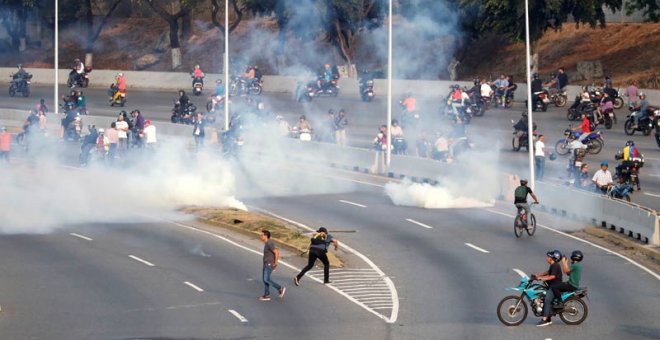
250 223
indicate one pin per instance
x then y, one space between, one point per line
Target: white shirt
121 127
602 177
539 148
150 134
486 90
464 97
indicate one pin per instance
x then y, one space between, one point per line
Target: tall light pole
226 64
530 127
57 51
389 89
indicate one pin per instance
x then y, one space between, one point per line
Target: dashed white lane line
612 252
650 194
141 260
81 236
238 315
477 248
419 223
194 286
353 203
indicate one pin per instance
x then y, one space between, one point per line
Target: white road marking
612 252
81 236
650 194
353 203
141 260
387 281
194 286
653 175
237 315
419 223
477 248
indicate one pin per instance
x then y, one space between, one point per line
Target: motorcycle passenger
605 107
77 73
574 273
602 179
642 110
553 277
487 92
198 75
121 86
537 86
475 91
303 124
520 198
325 78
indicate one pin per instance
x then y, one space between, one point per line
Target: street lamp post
389 89
226 64
530 127
57 51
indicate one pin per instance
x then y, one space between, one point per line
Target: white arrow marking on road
81 236
477 248
141 260
194 287
419 223
237 315
353 203
650 194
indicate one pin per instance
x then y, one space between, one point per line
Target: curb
652 252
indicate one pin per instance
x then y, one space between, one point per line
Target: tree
650 8
93 34
14 18
215 9
173 20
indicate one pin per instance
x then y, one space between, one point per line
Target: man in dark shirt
562 78
552 277
271 258
537 86
520 197
318 249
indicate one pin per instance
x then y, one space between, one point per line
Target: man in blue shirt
318 249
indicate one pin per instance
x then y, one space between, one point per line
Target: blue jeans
539 164
547 303
267 271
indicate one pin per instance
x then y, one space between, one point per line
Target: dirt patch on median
250 223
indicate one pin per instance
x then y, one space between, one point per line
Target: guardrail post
656 235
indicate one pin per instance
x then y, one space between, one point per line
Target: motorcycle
73 131
523 141
219 102
121 100
616 95
366 89
542 101
645 125
304 135
629 170
594 142
198 85
80 81
657 132
478 105
557 97
183 115
21 85
512 310
497 98
241 86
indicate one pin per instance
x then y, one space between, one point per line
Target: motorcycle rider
602 179
219 93
574 273
552 85
198 75
605 107
20 76
642 110
537 86
487 92
71 115
553 277
501 85
82 102
183 102
584 128
627 156
121 86
249 76
303 124
562 78
520 198
324 79
88 144
77 72
521 128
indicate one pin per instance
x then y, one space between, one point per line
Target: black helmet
577 256
535 76
475 81
523 182
554 254
630 143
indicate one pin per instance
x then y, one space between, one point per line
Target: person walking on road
318 249
271 257
5 144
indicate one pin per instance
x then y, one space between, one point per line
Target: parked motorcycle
21 85
82 81
512 310
594 142
241 86
645 125
542 101
121 100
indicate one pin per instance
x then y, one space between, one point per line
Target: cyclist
520 199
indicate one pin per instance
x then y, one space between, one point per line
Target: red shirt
5 141
586 127
198 73
121 83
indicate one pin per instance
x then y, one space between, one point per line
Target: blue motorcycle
594 142
512 310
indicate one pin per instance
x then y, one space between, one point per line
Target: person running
318 249
271 258
520 197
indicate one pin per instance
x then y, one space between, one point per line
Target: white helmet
101 130
120 74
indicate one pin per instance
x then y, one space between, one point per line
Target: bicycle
519 223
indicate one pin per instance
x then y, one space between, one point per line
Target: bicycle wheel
531 227
517 226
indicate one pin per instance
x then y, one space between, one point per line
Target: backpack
319 239
521 192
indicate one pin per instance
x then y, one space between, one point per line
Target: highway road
450 267
494 129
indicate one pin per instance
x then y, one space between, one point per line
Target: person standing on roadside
198 131
318 249
539 157
5 144
122 133
340 128
632 92
271 258
113 139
